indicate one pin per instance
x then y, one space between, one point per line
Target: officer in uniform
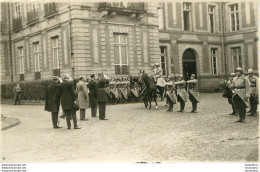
170 94
102 96
181 92
242 93
193 92
229 84
253 92
17 94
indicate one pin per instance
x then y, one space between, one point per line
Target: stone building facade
209 39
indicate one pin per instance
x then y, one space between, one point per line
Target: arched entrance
189 63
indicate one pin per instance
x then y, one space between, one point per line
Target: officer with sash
242 93
253 92
181 92
193 92
170 94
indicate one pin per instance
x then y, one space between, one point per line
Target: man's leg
82 114
68 116
74 118
94 111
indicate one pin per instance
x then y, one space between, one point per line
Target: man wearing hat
181 92
242 93
253 92
82 97
52 102
92 85
102 96
193 92
67 94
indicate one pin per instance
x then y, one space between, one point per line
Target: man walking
82 91
181 92
102 96
242 93
67 94
92 85
193 92
52 102
253 92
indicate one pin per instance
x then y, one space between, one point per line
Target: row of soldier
242 92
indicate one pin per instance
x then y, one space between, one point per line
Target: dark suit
67 95
102 97
92 85
52 102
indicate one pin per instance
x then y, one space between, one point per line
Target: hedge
32 90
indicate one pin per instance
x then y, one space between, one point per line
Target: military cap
54 78
193 75
239 69
233 74
81 77
66 76
250 70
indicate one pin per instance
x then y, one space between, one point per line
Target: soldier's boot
255 110
244 115
182 104
171 107
82 114
195 108
68 121
53 120
234 110
75 123
240 115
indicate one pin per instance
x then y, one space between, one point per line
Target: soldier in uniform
92 85
253 92
242 93
193 92
102 96
170 94
181 92
229 84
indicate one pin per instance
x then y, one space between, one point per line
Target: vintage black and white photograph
129 82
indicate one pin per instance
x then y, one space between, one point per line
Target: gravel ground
134 134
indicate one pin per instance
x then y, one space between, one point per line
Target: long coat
67 94
52 102
102 95
92 85
82 95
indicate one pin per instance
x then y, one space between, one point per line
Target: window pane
123 55
162 59
240 61
117 60
186 21
116 38
160 18
123 39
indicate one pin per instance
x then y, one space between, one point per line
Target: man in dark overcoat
52 102
68 97
92 85
102 96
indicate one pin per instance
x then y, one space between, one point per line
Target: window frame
17 9
165 60
214 56
36 54
235 12
185 9
238 56
161 20
55 50
21 60
213 13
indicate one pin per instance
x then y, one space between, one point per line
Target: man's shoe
103 119
68 128
83 119
250 115
249 111
57 127
239 120
77 128
180 111
232 113
63 116
243 121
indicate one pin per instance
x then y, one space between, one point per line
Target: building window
121 58
163 60
36 53
211 19
21 59
55 53
18 13
160 16
186 16
214 62
236 57
234 17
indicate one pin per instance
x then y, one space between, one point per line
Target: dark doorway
189 63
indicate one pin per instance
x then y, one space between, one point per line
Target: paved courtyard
133 134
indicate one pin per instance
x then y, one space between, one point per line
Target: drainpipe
10 43
70 42
223 37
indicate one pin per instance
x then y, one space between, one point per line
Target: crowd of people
242 92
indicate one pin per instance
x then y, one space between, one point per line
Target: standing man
92 85
170 94
253 92
82 91
67 94
229 84
181 92
102 96
52 102
193 92
17 94
242 94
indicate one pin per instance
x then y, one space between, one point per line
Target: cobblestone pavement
133 134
